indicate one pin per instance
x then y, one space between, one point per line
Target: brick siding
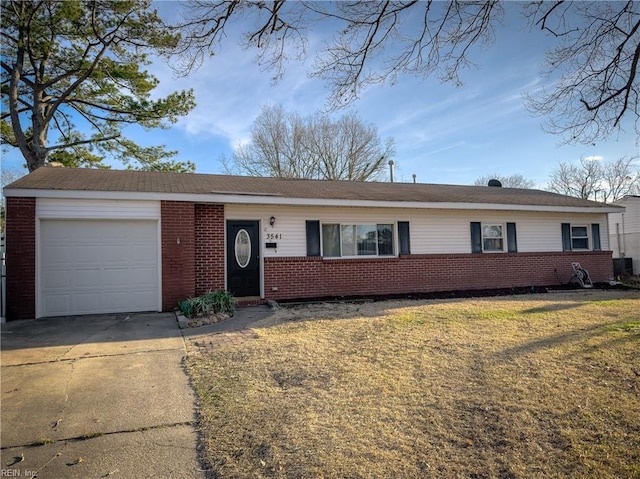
178 258
307 277
20 257
209 249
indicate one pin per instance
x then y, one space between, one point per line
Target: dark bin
623 266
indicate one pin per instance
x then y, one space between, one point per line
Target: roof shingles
80 179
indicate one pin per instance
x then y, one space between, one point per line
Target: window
357 240
385 240
492 238
331 240
579 237
576 237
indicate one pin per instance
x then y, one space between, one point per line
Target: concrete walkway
97 396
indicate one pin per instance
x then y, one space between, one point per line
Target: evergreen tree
70 67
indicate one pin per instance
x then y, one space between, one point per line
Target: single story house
624 234
82 241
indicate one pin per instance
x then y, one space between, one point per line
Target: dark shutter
566 237
476 237
595 233
403 237
313 238
512 240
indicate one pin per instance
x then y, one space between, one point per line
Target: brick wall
20 256
209 248
306 277
178 257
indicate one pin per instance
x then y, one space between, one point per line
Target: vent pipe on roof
391 170
495 183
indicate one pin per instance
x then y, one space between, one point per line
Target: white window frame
503 237
394 229
587 236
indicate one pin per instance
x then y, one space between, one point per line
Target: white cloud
230 88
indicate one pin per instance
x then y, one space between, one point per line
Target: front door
243 258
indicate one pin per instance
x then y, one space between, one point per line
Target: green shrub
221 301
186 307
212 302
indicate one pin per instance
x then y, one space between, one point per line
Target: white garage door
98 266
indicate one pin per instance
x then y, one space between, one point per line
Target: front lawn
534 386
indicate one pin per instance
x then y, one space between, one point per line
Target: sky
443 133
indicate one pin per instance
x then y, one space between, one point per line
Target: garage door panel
115 277
144 277
57 279
59 254
87 303
100 266
56 231
144 233
142 254
57 304
87 254
113 253
87 279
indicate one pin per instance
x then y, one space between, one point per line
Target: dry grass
540 386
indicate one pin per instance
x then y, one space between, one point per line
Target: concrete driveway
97 396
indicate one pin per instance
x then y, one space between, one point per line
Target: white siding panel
631 214
624 231
625 223
431 231
97 209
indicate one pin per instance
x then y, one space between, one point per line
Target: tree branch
82 142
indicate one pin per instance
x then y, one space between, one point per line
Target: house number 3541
273 236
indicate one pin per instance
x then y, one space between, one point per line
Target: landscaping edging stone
184 322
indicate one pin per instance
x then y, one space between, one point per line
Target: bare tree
596 63
287 145
595 180
278 147
439 42
376 42
7 176
622 177
510 181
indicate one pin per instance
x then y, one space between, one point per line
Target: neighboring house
83 241
624 232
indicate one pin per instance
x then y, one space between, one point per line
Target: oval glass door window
243 248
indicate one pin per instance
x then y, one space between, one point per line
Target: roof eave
286 201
